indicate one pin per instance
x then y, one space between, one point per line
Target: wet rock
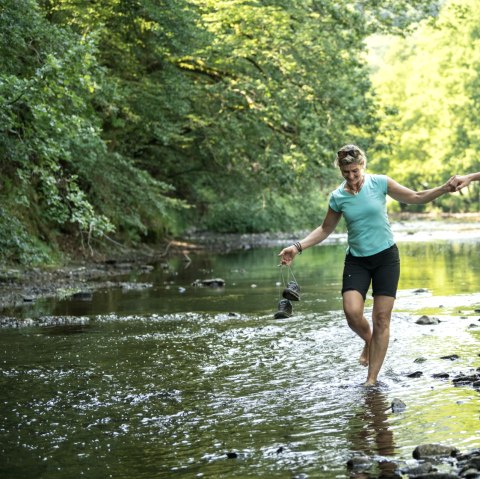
469 463
436 475
360 461
427 320
425 451
398 405
135 286
214 283
211 283
469 473
463 379
232 455
469 456
415 374
441 375
415 471
421 290
83 295
452 357
419 360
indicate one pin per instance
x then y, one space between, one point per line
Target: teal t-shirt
366 216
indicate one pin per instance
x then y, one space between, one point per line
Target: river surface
170 380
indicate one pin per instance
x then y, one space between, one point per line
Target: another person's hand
287 254
460 181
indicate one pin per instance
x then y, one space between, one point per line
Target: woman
372 256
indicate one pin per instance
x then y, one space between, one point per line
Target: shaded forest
135 121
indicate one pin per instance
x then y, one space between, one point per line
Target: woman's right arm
316 236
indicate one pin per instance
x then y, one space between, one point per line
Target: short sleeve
383 180
333 204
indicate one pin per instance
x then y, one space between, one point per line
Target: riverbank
108 269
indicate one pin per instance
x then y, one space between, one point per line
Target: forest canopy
144 119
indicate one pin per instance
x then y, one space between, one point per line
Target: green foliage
18 245
428 95
139 118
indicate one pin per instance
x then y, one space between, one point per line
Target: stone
398 405
427 320
424 468
425 451
359 461
214 282
452 357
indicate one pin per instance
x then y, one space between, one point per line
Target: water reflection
373 433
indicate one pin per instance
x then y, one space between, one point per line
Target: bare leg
381 314
353 305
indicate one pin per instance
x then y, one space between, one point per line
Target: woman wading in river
372 256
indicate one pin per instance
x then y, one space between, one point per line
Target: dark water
165 381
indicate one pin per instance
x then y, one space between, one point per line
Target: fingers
287 255
456 182
451 184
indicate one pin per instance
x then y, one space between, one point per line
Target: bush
17 245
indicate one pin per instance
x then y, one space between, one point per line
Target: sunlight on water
160 383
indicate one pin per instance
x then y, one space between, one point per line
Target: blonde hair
349 154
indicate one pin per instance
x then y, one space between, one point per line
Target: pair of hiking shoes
290 293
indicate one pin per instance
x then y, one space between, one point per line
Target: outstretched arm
464 180
406 195
316 236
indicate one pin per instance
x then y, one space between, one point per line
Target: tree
428 92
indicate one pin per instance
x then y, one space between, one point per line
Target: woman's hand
451 185
287 254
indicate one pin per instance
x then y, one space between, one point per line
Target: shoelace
289 274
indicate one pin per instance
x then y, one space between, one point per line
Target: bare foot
363 360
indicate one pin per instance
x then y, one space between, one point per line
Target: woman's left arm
406 195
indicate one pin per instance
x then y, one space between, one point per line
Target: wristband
298 246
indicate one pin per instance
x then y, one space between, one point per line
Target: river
173 380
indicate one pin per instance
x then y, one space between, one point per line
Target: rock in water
398 405
434 450
427 320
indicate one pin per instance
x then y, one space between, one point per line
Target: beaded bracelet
298 246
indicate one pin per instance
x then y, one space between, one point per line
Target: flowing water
170 380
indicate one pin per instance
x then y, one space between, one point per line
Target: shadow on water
173 380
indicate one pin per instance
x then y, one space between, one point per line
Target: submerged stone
398 405
424 468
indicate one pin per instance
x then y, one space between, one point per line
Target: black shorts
381 269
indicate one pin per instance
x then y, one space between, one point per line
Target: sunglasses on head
348 152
